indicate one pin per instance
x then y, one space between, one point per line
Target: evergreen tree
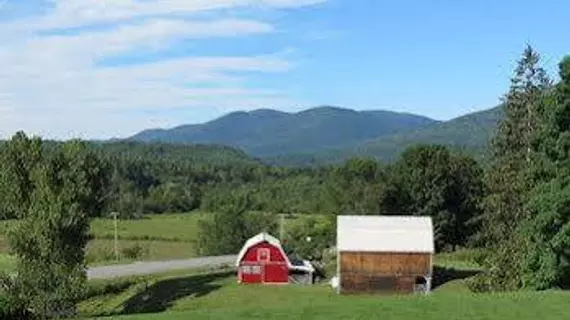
511 175
511 147
547 231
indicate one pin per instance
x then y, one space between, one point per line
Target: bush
133 252
224 232
310 237
10 308
103 254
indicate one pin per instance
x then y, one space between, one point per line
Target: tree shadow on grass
443 275
161 295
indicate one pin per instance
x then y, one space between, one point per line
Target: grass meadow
154 237
157 237
216 295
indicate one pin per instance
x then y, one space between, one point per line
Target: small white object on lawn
334 282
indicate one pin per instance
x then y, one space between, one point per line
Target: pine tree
547 232
510 178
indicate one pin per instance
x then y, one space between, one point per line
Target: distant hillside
469 133
199 154
269 133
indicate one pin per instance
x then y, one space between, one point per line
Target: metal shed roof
385 234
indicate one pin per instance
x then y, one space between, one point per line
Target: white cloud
53 83
73 13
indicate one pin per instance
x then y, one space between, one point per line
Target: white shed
384 253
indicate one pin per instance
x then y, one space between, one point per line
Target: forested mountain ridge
469 134
327 135
266 133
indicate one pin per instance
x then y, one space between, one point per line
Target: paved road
141 268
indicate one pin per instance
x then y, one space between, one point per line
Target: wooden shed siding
359 283
381 263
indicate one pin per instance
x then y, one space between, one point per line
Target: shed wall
382 272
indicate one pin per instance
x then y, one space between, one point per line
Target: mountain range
330 134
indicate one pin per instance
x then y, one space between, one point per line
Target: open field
164 227
216 295
156 237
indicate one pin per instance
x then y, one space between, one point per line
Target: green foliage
547 229
12 309
224 232
133 252
432 181
354 188
527 223
173 197
50 238
18 160
309 237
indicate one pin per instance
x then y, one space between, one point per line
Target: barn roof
385 234
262 237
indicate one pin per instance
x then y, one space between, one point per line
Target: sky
97 69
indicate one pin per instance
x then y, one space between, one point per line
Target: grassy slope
309 303
218 296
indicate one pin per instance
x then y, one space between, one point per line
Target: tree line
427 180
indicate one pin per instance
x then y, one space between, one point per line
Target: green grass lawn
165 227
160 237
216 295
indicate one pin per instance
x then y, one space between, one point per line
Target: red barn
263 260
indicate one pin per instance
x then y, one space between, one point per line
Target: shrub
309 238
133 252
103 254
11 308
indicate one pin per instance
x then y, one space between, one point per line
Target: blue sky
107 68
